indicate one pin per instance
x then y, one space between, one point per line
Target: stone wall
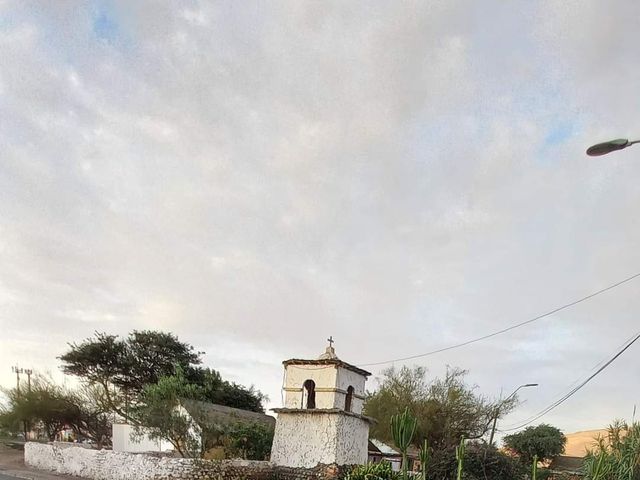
70 459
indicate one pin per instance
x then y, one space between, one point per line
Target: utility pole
499 406
29 372
17 370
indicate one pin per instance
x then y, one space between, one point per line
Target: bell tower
321 421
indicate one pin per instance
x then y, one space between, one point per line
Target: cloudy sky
257 176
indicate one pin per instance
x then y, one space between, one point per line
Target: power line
508 329
577 380
574 390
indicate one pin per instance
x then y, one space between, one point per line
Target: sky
257 176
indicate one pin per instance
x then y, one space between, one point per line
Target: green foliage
446 408
372 471
158 417
544 441
130 363
52 408
480 463
534 468
222 392
123 367
403 427
616 457
251 441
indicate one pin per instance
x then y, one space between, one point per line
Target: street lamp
610 146
495 418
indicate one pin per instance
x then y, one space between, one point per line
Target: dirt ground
11 456
12 465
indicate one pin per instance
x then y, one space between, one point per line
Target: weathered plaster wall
305 439
345 379
70 459
324 377
352 440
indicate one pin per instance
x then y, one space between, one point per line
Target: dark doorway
310 394
348 398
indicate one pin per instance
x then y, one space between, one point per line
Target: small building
380 451
216 416
321 421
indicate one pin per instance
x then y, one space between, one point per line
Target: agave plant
403 427
617 457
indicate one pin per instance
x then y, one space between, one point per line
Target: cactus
403 427
425 457
534 468
460 458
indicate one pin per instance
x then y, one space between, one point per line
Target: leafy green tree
223 392
251 441
123 367
159 417
54 408
544 441
45 403
447 408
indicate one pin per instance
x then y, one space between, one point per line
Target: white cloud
400 176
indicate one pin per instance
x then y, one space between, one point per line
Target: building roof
377 446
565 463
220 415
327 361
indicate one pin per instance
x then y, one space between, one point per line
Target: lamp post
610 146
497 414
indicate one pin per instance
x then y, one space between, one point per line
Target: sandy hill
579 442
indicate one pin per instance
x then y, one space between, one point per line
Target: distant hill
579 442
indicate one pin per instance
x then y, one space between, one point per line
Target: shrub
373 471
480 462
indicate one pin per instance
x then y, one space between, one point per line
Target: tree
250 441
545 441
447 408
95 419
123 367
55 408
127 364
222 392
158 417
45 403
481 462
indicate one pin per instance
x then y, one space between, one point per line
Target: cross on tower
330 340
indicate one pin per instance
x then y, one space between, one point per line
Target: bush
544 441
372 471
250 441
480 462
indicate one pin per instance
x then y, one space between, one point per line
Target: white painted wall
71 459
123 442
346 378
307 439
352 434
323 375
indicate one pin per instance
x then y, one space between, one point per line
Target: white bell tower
321 421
